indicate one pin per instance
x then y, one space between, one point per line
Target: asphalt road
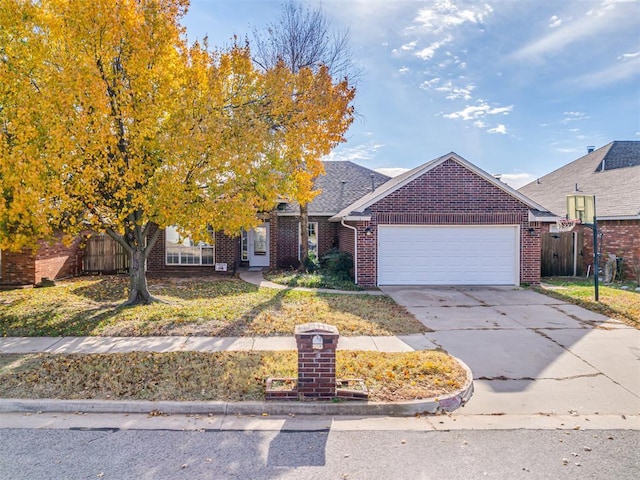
33 454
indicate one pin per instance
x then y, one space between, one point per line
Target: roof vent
373 185
591 148
497 176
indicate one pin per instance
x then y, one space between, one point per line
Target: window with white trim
313 238
184 251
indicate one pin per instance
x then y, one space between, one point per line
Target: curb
448 403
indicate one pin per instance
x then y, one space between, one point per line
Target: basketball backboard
581 207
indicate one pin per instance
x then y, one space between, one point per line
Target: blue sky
517 87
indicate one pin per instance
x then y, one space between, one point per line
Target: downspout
355 248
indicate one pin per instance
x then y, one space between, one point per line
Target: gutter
355 248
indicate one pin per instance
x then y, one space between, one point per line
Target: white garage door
461 255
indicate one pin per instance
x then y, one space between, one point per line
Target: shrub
310 263
337 264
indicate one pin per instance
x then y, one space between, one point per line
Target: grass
208 307
311 280
623 305
227 376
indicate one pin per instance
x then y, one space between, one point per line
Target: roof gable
359 207
611 173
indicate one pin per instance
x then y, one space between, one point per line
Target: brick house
612 174
50 260
444 222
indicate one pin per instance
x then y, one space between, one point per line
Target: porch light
368 232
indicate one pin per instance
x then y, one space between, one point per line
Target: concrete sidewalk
403 343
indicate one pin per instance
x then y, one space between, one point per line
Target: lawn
615 302
226 376
194 306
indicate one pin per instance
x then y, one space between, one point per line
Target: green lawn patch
615 302
311 280
210 307
225 376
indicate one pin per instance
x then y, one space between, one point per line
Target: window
184 251
244 247
313 238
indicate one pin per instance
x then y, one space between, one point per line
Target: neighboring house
612 174
51 260
446 222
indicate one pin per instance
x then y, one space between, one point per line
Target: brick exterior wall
285 237
621 237
227 250
53 260
449 194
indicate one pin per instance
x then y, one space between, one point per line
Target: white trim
355 250
621 217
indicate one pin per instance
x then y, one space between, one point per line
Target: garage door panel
465 255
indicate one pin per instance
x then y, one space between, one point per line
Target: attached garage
448 255
446 222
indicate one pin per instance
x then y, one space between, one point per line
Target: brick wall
621 237
450 195
53 260
286 239
227 250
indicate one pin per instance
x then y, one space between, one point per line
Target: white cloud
479 124
554 21
499 129
628 55
517 180
391 171
473 112
573 117
609 16
357 153
404 69
445 14
409 46
452 91
618 72
427 53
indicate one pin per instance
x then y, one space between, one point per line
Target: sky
517 87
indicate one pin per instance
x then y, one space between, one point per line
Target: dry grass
210 307
623 305
228 376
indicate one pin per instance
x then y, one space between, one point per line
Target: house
612 174
50 260
446 222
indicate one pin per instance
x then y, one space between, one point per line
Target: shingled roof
342 184
611 173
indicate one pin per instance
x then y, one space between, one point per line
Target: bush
337 264
310 263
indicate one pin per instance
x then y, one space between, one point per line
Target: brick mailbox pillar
317 343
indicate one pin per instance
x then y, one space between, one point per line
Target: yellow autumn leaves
111 119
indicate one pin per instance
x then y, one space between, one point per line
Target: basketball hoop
566 224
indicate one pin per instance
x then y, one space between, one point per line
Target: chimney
591 148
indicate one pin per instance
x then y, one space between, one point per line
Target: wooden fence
562 254
104 255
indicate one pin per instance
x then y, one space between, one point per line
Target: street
68 447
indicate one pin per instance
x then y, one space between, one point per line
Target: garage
448 255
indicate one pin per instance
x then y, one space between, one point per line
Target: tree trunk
304 235
138 245
138 290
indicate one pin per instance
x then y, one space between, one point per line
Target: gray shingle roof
611 173
342 184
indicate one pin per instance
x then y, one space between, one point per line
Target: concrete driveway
530 353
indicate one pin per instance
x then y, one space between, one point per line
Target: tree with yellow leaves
111 121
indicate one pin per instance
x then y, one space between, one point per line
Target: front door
258 246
